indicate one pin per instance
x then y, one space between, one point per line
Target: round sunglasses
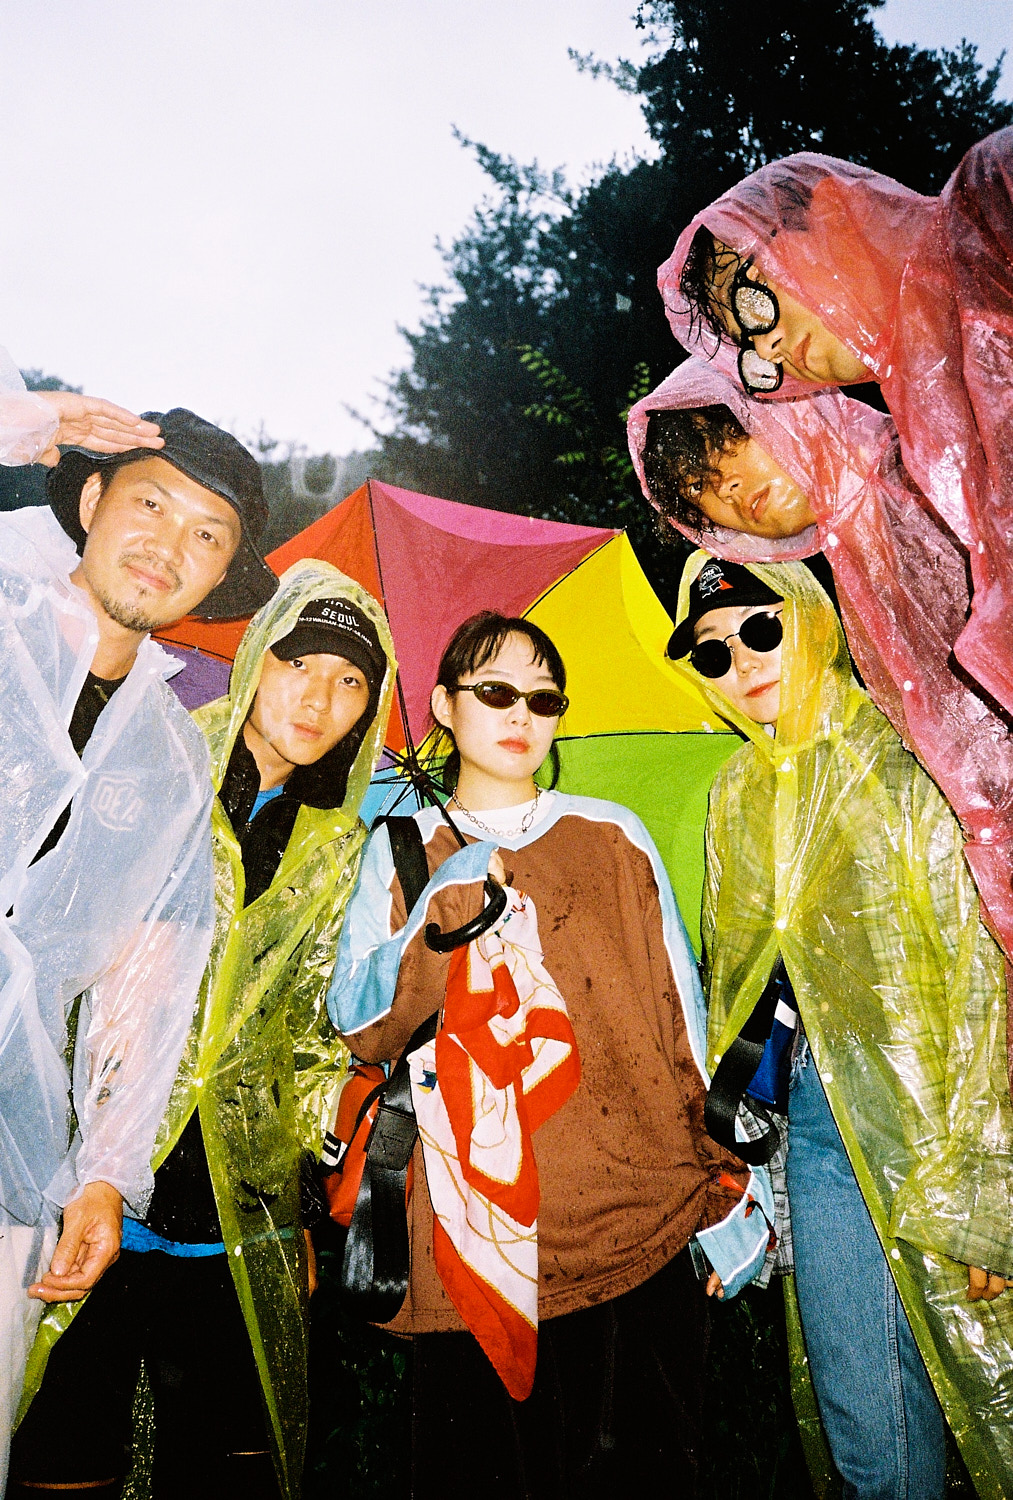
545 703
757 633
755 309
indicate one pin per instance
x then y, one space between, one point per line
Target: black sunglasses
755 309
757 633
544 702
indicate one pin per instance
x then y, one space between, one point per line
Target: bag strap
409 853
377 1258
735 1072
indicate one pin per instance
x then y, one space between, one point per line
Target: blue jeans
881 1416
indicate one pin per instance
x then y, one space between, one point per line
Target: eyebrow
206 519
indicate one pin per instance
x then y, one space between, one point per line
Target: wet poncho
28 424
827 843
921 290
263 1063
118 912
902 584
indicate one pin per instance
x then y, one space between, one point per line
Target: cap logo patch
711 580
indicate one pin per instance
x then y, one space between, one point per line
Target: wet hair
680 450
476 643
696 283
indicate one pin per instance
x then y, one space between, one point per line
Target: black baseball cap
718 585
335 627
212 458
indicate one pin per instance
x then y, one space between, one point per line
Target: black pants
616 1408
182 1317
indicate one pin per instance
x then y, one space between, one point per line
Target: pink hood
921 290
902 582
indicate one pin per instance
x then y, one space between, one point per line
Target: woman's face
752 683
753 494
799 342
505 744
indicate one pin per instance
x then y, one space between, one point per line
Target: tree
550 321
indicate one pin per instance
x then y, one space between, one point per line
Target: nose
519 714
769 345
744 659
316 694
166 539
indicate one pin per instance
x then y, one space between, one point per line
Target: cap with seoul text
335 627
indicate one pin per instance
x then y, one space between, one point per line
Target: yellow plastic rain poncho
828 843
262 1063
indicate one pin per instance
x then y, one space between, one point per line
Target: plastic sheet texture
826 842
28 424
921 290
903 586
263 1063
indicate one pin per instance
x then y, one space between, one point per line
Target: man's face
752 683
799 342
753 494
303 708
158 543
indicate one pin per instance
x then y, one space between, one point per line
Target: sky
232 204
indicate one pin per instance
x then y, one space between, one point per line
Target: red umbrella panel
431 563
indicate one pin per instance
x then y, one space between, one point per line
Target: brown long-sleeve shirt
626 1172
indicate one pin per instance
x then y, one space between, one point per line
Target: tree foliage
550 322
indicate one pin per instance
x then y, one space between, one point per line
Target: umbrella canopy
431 563
636 732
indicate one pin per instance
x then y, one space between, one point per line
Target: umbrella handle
459 937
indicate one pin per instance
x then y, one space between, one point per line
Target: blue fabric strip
138 1237
263 798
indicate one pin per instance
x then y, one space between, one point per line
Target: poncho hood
333 787
819 695
836 236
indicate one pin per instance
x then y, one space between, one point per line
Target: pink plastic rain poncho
119 912
902 584
921 290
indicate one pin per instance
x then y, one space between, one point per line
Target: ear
439 702
91 494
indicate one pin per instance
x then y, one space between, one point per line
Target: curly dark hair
680 453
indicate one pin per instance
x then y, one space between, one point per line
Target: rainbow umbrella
635 731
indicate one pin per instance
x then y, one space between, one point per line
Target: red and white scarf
504 1060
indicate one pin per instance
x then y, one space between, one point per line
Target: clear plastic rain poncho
828 843
921 290
119 912
28 424
262 1063
903 589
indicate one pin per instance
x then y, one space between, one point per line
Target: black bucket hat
718 585
212 458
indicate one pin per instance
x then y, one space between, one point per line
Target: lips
309 731
517 747
800 354
761 688
758 503
152 580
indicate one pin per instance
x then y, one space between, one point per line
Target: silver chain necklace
497 833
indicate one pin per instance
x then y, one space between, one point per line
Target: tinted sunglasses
546 703
756 311
757 633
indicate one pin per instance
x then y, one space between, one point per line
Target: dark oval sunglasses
543 702
757 633
756 311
